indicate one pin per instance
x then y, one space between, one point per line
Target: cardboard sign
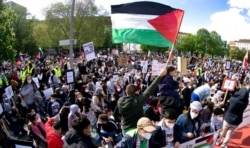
9 92
89 51
182 65
228 84
123 60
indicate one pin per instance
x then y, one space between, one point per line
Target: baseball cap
196 105
146 124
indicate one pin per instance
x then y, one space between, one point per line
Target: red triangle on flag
168 24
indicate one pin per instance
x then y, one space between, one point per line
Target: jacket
238 103
168 87
74 139
27 91
131 108
191 127
54 140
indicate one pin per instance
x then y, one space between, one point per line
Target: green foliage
147 48
87 26
204 42
7 36
23 32
236 53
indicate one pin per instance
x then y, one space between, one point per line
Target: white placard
9 92
157 67
48 92
36 81
144 65
115 77
89 51
21 146
70 77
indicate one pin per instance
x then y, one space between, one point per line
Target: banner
89 51
207 141
9 92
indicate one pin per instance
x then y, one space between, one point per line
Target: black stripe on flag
146 8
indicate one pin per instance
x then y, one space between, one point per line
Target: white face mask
29 81
193 115
80 98
147 135
189 86
61 92
220 118
170 125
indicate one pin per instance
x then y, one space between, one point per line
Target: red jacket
53 139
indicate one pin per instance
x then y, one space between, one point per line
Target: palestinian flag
147 23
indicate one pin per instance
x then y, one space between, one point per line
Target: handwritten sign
70 77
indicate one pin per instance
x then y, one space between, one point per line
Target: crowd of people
119 106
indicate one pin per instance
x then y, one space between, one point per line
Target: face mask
51 74
80 98
170 125
29 81
193 115
220 118
86 90
61 92
53 100
189 87
147 135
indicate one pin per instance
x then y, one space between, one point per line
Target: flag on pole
39 54
245 61
147 23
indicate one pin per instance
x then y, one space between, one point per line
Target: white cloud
232 24
245 4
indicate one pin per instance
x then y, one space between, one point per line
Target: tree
147 48
202 40
87 26
23 32
236 53
186 43
216 45
7 36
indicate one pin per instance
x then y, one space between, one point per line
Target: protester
202 92
54 133
190 122
79 136
234 114
131 107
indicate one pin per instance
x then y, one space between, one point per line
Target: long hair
32 83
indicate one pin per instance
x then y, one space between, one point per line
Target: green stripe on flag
140 36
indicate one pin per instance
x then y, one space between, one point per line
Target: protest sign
228 84
182 65
48 92
9 92
228 65
144 65
70 77
115 52
123 60
36 82
89 51
157 67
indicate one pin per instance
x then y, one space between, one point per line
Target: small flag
245 62
39 54
146 23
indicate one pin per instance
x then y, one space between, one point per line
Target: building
241 44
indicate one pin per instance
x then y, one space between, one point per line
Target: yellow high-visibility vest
5 80
23 76
29 70
58 72
199 72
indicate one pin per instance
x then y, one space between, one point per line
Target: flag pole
169 55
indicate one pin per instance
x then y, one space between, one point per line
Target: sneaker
223 146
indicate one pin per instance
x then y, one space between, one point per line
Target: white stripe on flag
135 21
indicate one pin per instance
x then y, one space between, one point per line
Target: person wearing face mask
144 136
82 102
54 105
171 131
54 81
74 112
190 123
28 91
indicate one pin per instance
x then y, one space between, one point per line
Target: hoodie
238 103
72 114
74 139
